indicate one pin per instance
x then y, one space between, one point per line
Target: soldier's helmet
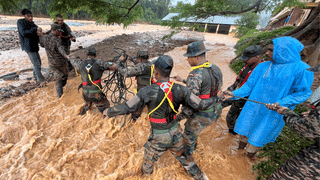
91 51
164 63
314 69
195 49
143 54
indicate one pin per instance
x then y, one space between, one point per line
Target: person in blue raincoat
283 81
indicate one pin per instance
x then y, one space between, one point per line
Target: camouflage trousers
196 123
162 140
234 112
59 74
96 98
305 165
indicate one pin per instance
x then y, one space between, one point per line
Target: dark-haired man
57 57
29 41
306 163
91 71
66 36
252 57
163 99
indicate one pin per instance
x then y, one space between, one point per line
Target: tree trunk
308 34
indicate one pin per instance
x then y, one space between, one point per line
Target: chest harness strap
88 68
166 87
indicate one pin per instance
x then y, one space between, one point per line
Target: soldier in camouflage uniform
306 164
57 57
252 57
142 71
166 133
205 81
66 36
91 71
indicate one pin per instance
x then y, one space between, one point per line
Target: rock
11 77
6 95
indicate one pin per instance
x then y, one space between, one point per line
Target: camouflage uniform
165 135
200 82
65 41
142 72
91 93
57 59
306 164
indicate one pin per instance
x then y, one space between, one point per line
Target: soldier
142 71
306 164
91 71
205 81
57 57
29 41
66 36
252 57
163 99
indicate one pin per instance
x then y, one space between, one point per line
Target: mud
42 137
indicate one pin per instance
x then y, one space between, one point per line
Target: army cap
143 54
251 52
164 63
195 49
314 69
91 51
56 27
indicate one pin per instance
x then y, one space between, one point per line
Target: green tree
247 22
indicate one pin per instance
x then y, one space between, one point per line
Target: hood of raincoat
286 50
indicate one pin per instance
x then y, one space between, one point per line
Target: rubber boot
200 176
242 145
59 91
251 156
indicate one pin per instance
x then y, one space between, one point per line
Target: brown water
42 137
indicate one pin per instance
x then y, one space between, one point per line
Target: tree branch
132 7
208 14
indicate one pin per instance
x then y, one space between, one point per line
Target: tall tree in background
248 21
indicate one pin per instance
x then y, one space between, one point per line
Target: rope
115 83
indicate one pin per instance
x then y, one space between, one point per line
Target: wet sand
42 137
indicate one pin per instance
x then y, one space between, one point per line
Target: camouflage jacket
142 71
63 35
242 78
152 96
199 83
308 127
55 51
306 164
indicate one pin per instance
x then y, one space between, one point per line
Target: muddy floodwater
43 137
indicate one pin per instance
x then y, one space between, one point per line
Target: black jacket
28 37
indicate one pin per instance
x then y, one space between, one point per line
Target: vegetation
287 145
246 23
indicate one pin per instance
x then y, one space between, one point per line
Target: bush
237 66
287 145
256 38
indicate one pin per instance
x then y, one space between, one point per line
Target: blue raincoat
285 80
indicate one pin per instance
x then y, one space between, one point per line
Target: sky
174 2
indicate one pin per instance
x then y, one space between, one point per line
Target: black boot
242 145
84 110
231 131
59 91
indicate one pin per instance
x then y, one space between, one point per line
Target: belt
158 131
163 120
94 82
